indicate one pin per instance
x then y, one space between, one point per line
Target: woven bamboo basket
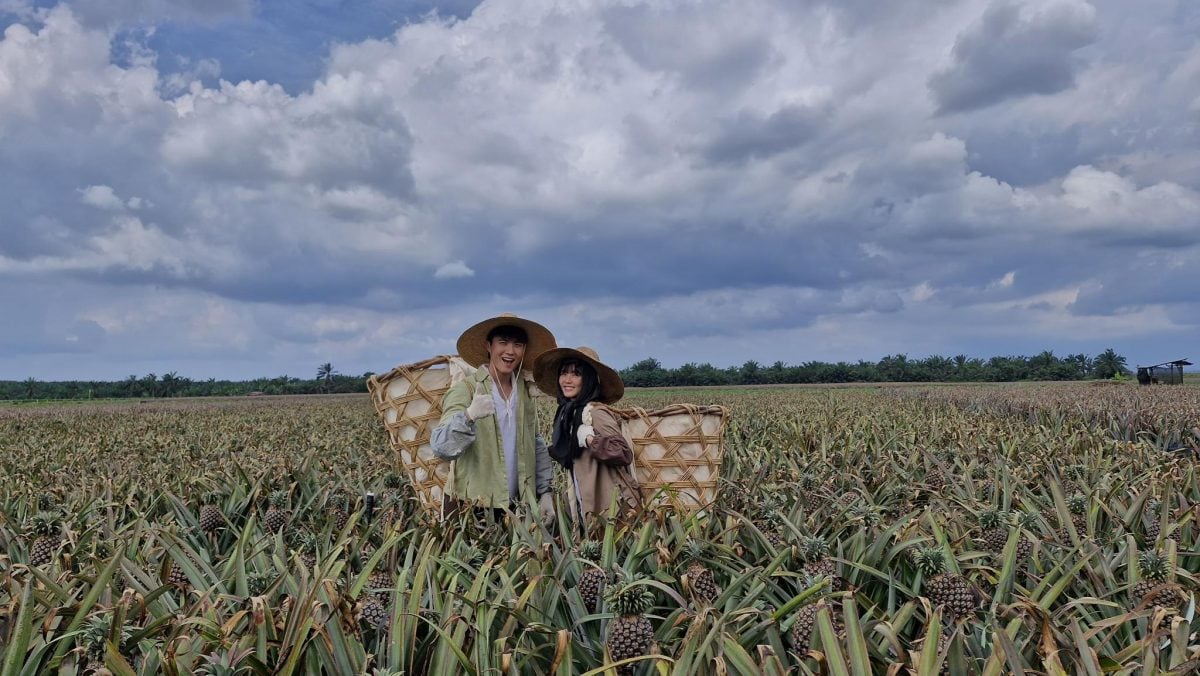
677 453
409 401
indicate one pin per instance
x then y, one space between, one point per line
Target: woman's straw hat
471 344
546 366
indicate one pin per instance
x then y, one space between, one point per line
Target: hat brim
471 344
546 366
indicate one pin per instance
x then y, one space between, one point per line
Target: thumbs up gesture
482 404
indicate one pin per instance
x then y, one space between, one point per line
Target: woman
587 439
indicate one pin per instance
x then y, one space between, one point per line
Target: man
488 426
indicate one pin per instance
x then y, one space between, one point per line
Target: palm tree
325 374
1108 364
170 383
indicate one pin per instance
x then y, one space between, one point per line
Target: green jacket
480 475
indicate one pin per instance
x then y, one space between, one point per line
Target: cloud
1013 51
453 270
101 197
705 175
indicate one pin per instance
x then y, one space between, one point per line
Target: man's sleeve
454 432
544 465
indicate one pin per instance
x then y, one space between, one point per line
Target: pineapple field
1041 529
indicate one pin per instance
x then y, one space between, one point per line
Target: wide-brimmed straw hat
546 367
471 344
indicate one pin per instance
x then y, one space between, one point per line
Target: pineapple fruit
307 544
699 580
592 576
630 633
277 515
995 534
374 606
1026 521
817 562
948 590
1155 588
176 577
804 622
46 528
211 518
1077 505
339 503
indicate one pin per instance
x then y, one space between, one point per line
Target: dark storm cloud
1025 157
751 135
685 40
1015 51
1165 278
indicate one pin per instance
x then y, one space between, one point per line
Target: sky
247 188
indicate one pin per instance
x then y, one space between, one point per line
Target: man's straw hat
472 343
546 366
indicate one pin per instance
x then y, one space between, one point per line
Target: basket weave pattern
677 453
409 401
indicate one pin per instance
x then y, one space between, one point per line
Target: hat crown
588 351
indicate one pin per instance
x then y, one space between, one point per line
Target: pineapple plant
935 478
277 515
1026 521
994 533
1153 526
375 603
592 576
1077 506
339 503
46 529
815 552
257 581
948 590
307 544
630 633
1155 588
809 493
699 579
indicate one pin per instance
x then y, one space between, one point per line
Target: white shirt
506 420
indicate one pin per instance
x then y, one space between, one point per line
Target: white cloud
453 270
101 197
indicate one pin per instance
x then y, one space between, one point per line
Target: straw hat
545 372
471 344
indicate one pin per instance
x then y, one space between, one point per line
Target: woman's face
570 381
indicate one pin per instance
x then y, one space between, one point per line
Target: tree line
171 384
891 369
645 373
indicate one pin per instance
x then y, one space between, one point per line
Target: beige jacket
593 483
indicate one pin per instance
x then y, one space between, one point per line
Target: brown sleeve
608 444
604 422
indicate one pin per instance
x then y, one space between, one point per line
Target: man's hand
582 435
482 404
546 507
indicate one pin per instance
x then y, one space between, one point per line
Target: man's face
504 354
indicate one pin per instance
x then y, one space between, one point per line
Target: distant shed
1166 373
